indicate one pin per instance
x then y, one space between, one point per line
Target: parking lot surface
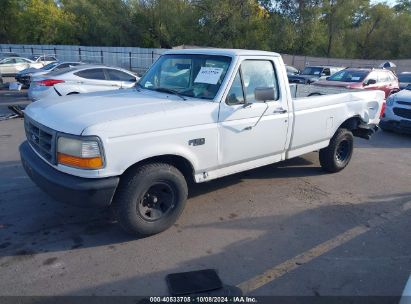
284 229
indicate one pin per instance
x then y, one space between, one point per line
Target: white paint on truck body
137 124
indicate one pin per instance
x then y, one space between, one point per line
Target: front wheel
338 154
150 199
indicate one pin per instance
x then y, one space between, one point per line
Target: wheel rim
343 151
157 202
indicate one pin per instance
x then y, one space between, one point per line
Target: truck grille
405 103
405 113
41 138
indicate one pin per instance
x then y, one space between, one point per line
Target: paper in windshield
209 75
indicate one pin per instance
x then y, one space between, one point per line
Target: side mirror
264 94
370 81
328 78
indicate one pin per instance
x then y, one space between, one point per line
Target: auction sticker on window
209 75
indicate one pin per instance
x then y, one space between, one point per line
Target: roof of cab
223 52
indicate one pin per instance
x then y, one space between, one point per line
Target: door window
236 94
383 77
258 74
116 75
9 61
97 74
326 72
372 75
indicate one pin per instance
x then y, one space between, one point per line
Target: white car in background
10 66
24 76
43 59
397 115
80 79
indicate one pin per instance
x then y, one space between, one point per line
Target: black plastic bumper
25 80
365 131
85 192
402 126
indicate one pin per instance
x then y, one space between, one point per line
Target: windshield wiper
165 90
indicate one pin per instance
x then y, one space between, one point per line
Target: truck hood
74 113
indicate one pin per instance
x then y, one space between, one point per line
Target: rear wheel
338 154
150 199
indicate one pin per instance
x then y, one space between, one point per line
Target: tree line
328 28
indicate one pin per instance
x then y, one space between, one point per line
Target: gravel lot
285 229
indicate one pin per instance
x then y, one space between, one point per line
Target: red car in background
367 79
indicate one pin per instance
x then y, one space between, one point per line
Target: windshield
312 71
191 75
49 66
404 78
349 76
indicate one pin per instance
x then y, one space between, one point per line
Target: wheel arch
180 162
358 127
351 123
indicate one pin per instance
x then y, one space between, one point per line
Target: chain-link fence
140 59
133 59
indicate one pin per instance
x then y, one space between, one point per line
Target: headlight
390 101
79 153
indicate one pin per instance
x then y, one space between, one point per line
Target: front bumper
85 192
25 80
401 126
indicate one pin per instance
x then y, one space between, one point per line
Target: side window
50 58
236 94
258 74
119 76
382 77
9 61
63 65
97 74
372 75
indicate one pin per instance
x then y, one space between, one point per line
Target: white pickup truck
196 115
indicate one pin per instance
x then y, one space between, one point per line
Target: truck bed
306 90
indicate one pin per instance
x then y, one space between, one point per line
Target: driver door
251 130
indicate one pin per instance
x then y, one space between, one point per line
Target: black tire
150 199
338 154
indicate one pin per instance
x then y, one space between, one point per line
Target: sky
389 2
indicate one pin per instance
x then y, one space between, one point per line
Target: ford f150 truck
196 115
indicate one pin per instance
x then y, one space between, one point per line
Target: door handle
280 111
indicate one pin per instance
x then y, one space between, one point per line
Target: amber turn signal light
84 163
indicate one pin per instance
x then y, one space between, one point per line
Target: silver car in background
10 66
397 115
80 79
24 76
43 59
